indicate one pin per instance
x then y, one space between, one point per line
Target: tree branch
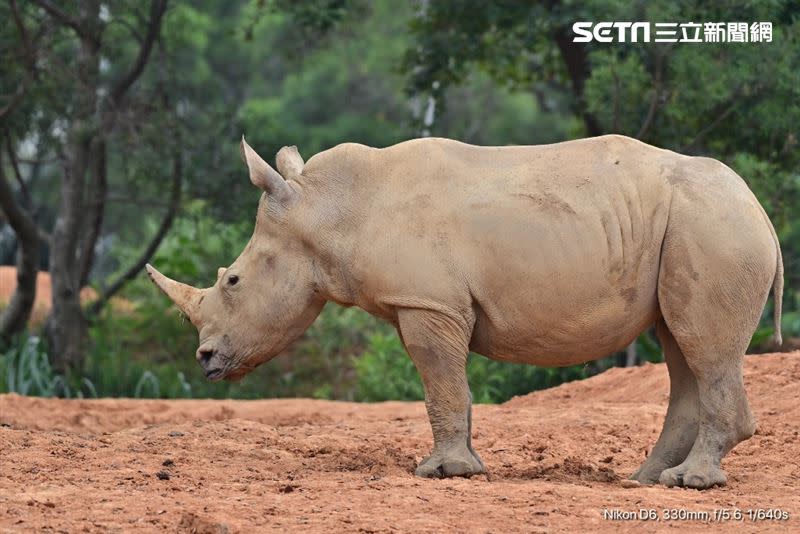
14 318
28 204
14 99
15 166
95 210
615 101
166 224
157 9
64 18
713 124
657 82
25 38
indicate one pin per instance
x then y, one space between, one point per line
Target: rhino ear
263 175
290 162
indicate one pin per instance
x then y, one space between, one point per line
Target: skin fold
550 255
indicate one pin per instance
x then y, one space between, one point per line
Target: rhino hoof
697 478
646 475
450 465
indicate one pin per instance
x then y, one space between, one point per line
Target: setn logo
603 31
673 32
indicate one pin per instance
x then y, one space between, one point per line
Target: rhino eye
233 280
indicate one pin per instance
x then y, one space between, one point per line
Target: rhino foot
452 463
645 476
693 476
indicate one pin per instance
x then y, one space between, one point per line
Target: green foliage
322 357
761 336
494 381
627 80
647 349
116 372
323 72
344 91
26 370
385 372
791 322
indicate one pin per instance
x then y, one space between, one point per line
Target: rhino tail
777 291
777 283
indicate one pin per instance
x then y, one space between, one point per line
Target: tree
15 316
85 59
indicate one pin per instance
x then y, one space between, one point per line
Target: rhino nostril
204 356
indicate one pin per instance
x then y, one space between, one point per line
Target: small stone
627 483
162 475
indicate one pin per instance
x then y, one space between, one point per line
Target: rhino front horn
185 297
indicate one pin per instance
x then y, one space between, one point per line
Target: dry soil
557 460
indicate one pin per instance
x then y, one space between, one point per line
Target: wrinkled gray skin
550 255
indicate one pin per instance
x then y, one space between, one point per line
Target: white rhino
550 255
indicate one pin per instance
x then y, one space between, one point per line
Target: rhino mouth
215 375
228 368
225 373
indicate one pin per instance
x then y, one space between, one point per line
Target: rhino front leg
438 346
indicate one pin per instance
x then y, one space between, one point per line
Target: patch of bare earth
557 459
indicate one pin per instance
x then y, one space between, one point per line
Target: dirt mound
558 460
44 295
772 378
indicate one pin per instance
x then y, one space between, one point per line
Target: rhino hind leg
725 420
682 419
723 416
716 271
438 348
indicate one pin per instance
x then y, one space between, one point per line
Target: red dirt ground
556 458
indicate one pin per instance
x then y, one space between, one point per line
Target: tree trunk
15 316
631 357
67 328
577 63
93 119
98 187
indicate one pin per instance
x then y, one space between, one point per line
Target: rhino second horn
185 297
262 175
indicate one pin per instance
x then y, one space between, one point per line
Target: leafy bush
26 370
385 372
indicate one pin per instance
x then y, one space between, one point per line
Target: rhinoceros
550 255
